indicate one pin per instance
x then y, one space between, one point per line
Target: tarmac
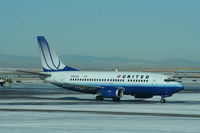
42 107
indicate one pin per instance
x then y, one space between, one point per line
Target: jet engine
109 92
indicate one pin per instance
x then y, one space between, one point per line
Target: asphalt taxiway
47 108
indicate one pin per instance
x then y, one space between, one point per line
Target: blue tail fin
50 60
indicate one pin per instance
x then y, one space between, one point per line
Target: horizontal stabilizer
50 60
34 73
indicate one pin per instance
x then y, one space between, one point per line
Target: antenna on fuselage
116 70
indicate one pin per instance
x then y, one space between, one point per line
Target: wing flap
83 87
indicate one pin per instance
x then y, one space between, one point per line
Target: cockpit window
169 80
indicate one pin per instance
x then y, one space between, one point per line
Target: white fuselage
130 81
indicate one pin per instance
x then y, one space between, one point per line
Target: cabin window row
106 80
130 80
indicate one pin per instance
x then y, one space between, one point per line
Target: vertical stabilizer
50 60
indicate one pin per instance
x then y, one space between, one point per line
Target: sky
133 29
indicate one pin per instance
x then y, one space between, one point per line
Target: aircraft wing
34 73
86 87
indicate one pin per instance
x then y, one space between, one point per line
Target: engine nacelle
110 92
143 96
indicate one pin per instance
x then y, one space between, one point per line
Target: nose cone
178 87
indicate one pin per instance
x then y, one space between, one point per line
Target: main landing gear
117 99
162 100
100 98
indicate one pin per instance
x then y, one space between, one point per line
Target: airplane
2 80
103 84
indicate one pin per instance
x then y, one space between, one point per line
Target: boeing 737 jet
104 84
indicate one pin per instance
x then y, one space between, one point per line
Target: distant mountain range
82 62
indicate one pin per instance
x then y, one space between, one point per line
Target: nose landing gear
163 100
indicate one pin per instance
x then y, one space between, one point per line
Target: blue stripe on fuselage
135 89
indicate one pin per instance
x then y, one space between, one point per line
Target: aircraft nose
179 87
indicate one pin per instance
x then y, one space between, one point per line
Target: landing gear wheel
116 99
2 84
99 98
162 100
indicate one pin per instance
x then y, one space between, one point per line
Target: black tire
1 84
163 100
116 99
99 98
